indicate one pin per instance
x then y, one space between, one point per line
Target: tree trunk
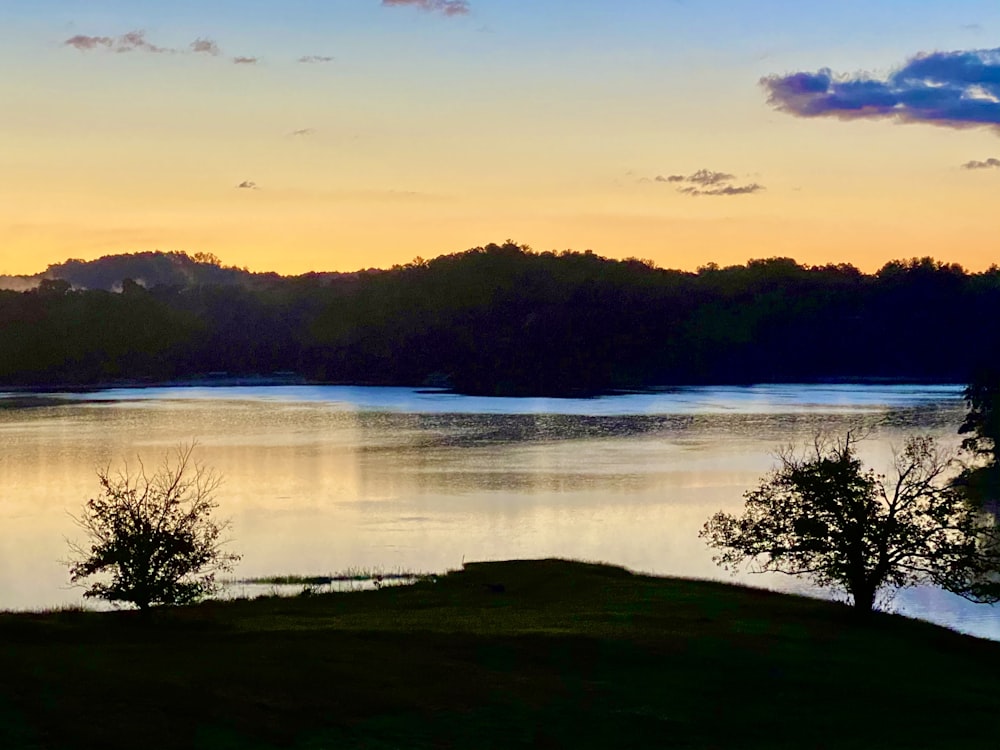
864 598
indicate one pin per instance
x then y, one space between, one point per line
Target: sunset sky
296 135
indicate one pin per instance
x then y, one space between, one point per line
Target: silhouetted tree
824 516
982 421
500 319
981 478
152 539
53 287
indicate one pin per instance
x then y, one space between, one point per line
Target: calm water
320 479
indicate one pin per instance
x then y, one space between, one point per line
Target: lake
319 479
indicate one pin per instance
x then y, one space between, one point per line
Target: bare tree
152 538
824 516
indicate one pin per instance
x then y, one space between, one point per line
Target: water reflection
323 479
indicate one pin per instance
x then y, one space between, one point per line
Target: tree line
503 319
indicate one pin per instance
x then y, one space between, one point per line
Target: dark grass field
542 654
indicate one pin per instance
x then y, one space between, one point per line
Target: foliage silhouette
982 422
152 539
501 319
981 478
824 516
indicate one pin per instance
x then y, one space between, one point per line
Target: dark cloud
247 185
753 187
708 177
133 41
205 47
951 89
445 7
246 60
990 163
707 182
303 132
315 59
82 42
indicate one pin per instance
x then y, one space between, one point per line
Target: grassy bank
511 654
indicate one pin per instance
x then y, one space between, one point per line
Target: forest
501 320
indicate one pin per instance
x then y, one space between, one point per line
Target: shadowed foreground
509 654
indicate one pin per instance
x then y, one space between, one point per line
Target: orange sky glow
319 136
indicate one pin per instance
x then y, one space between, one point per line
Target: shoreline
291 379
518 653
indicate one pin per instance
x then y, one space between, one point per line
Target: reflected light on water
321 479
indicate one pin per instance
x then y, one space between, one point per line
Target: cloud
247 185
445 7
83 42
707 182
703 177
303 132
990 163
131 42
135 41
246 60
950 89
753 187
205 47
315 59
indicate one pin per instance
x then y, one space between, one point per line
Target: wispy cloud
247 185
991 163
752 187
204 46
83 42
301 132
708 182
133 41
445 7
951 89
316 59
703 177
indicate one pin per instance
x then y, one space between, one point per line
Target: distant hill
19 283
501 320
148 269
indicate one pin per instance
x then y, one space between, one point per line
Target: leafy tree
152 539
981 479
982 422
53 288
824 516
